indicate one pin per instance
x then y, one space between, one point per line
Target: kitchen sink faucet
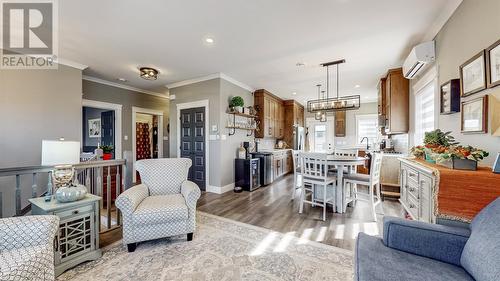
367 145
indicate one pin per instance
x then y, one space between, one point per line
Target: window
424 112
366 127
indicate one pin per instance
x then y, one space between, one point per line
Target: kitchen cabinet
270 115
282 163
381 97
397 90
293 116
340 123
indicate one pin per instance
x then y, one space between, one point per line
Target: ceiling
257 42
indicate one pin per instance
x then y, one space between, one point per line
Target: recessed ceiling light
299 64
209 40
294 93
357 86
122 79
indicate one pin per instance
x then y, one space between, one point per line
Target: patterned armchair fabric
163 205
27 247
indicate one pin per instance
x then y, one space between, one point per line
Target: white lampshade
60 152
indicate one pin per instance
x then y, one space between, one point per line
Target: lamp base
70 193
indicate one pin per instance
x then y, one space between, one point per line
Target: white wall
474 26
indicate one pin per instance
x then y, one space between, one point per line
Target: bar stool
314 170
372 181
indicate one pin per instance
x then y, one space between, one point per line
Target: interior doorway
101 127
321 135
147 135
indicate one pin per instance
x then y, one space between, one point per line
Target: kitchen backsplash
400 143
266 144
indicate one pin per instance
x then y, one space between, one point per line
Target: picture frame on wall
493 65
473 75
94 128
450 97
475 116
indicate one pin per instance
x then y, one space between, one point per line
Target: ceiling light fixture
333 104
148 73
294 93
317 115
357 86
209 40
299 64
122 79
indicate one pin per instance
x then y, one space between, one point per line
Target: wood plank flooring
271 207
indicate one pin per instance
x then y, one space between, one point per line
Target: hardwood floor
271 207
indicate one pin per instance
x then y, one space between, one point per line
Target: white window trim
363 116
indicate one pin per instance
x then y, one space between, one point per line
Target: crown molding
71 63
210 77
117 85
445 14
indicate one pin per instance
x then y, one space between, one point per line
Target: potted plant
435 142
461 157
237 103
107 152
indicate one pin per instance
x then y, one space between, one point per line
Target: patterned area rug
222 249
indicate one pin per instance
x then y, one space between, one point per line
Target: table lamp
63 155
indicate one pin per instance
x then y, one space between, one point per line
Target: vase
429 156
70 193
238 109
107 156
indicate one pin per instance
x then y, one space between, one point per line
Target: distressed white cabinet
417 189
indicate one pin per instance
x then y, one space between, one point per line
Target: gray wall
35 105
474 26
221 152
128 99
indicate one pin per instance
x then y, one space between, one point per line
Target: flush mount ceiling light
299 64
337 103
357 86
121 79
294 93
148 73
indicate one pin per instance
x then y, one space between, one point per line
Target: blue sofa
412 250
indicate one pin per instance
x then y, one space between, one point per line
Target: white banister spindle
34 187
118 191
108 197
18 195
87 179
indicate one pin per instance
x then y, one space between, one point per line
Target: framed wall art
450 97
493 65
95 128
475 115
473 75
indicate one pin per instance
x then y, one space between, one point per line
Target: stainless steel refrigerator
299 138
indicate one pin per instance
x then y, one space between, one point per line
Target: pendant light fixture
323 117
317 115
337 103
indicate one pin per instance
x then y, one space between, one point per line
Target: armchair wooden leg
190 236
131 247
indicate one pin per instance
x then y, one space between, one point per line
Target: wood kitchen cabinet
340 123
270 115
381 97
397 92
293 116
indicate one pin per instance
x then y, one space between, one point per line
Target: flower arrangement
440 147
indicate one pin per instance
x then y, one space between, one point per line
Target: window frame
365 116
429 78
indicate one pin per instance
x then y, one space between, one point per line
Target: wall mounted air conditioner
419 57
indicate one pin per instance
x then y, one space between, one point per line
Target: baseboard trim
220 189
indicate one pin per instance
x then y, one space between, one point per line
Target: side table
78 237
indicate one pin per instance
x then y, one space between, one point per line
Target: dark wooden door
108 129
193 143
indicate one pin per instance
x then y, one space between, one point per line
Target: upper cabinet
393 99
277 117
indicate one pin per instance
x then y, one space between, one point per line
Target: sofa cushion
376 262
160 209
481 254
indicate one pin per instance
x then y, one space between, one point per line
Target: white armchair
27 248
163 205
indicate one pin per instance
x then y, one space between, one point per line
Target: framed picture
475 115
450 97
473 75
95 128
493 65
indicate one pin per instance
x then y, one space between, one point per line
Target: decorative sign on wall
94 128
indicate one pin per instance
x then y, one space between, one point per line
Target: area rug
222 249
